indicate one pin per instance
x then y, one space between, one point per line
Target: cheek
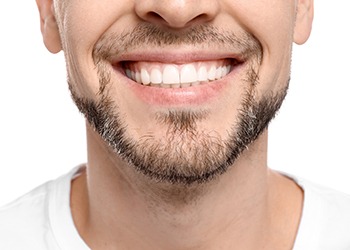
88 20
272 23
82 25
82 75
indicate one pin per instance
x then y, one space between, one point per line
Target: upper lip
176 56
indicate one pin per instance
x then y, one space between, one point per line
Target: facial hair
186 154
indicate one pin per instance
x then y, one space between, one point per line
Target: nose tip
177 13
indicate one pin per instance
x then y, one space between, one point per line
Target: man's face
178 88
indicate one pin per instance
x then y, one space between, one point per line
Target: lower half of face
174 111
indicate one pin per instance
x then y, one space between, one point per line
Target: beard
185 154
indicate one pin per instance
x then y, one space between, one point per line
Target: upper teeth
172 75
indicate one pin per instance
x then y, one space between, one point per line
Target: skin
114 206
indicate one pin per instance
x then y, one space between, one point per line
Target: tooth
188 74
138 77
128 73
171 74
155 85
218 73
185 85
166 85
223 71
211 73
195 83
156 76
202 74
145 79
175 86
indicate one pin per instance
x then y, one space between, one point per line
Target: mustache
145 35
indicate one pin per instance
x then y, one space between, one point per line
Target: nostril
155 17
154 14
158 18
200 18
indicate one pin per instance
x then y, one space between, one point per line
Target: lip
199 94
174 56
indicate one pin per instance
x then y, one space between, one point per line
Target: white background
42 134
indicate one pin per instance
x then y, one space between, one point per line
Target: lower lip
177 97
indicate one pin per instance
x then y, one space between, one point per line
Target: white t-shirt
42 220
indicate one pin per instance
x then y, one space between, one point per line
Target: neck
119 208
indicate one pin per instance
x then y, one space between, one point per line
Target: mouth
172 80
171 75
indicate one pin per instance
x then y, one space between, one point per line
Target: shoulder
22 219
28 222
325 222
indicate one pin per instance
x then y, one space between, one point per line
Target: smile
165 75
178 80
